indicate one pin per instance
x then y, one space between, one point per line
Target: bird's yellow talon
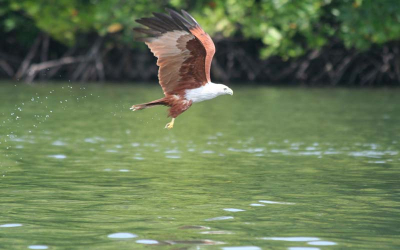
170 125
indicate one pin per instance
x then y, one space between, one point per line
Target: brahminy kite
184 53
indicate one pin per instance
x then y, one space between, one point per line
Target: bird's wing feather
205 40
183 49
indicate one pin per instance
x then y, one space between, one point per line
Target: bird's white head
224 90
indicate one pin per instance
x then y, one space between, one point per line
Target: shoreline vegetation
305 42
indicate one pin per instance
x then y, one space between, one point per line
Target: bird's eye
225 88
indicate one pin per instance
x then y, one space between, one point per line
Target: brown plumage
184 53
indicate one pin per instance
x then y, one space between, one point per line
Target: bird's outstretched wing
183 49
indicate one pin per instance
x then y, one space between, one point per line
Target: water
267 168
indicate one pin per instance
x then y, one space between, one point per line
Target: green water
306 168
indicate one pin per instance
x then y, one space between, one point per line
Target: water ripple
172 156
220 218
58 143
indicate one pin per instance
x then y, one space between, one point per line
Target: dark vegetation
331 42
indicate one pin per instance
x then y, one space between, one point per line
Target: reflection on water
233 210
216 232
11 225
242 248
58 143
122 236
298 169
194 242
147 242
276 202
257 205
195 227
38 247
291 238
219 218
303 248
58 156
322 243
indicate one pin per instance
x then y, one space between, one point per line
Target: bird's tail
149 104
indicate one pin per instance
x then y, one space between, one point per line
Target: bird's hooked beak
224 90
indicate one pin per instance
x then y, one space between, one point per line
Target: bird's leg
170 125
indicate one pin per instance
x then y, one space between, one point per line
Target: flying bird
184 53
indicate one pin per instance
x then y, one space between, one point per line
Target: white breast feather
206 92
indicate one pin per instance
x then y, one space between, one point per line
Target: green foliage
287 28
65 19
276 23
367 22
